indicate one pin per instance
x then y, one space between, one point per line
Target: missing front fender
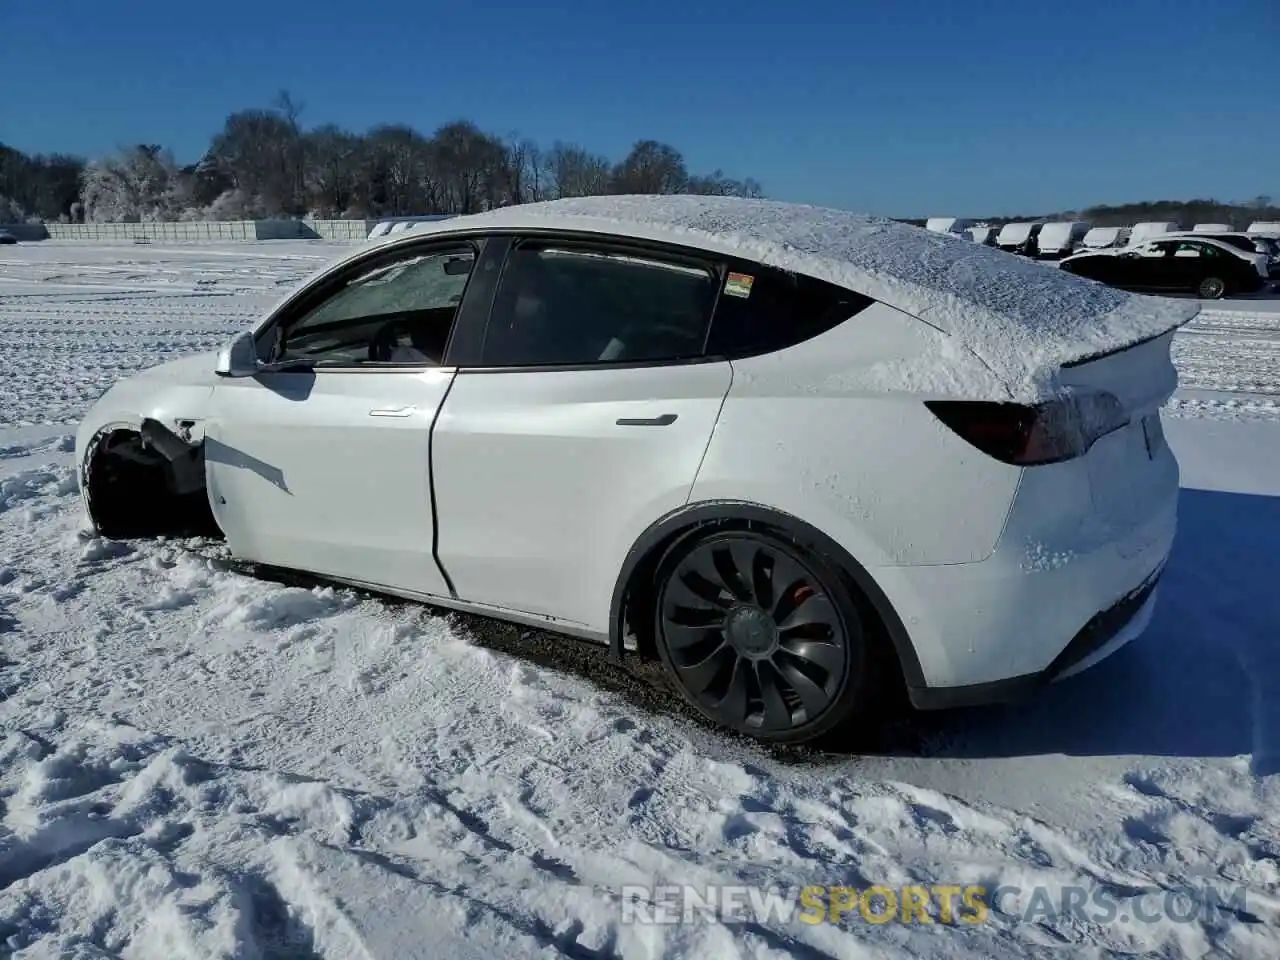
135 488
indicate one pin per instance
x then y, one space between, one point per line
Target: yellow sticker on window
739 284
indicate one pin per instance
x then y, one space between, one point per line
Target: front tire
1212 288
761 635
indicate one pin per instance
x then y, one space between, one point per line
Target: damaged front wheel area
146 483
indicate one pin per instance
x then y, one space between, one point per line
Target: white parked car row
1062 238
800 456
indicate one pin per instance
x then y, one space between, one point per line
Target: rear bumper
1069 577
1105 633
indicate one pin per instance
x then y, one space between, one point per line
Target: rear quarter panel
834 431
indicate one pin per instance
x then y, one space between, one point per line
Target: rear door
1150 267
325 467
581 418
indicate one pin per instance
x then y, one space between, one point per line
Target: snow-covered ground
197 763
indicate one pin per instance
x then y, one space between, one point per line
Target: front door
1163 270
584 419
323 464
329 472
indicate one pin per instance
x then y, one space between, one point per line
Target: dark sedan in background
1208 268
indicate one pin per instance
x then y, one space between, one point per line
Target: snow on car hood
1023 319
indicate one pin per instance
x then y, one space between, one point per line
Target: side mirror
239 358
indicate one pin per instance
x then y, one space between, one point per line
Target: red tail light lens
1026 435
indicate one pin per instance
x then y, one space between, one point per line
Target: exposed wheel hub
751 631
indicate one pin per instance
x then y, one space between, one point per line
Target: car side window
1189 250
762 309
574 304
397 311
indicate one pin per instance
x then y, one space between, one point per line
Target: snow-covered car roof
1021 318
1016 232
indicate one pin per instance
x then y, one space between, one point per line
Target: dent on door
330 474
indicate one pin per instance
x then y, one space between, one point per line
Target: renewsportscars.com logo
956 904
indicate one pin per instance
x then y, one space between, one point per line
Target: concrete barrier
184 230
196 231
341 229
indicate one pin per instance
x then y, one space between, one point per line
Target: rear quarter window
761 310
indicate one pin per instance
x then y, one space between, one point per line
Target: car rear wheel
760 635
1212 288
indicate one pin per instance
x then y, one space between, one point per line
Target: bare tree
44 186
651 167
140 183
575 172
264 162
254 150
295 151
717 184
470 165
333 167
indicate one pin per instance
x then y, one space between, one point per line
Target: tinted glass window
559 304
1240 243
397 312
762 309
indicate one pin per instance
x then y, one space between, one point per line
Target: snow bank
1023 320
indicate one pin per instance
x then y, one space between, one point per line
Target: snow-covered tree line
265 163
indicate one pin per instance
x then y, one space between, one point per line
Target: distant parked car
668 420
952 225
1101 238
1206 267
985 235
6 237
1150 229
1061 238
1019 238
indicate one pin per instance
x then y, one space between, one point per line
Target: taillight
1025 434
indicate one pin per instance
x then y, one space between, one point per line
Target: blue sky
902 107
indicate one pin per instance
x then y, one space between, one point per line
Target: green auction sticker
739 284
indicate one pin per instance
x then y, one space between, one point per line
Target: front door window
398 312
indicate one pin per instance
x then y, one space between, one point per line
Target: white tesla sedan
799 455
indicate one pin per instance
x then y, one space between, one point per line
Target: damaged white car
803 457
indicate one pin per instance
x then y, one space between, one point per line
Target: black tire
1212 288
762 636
